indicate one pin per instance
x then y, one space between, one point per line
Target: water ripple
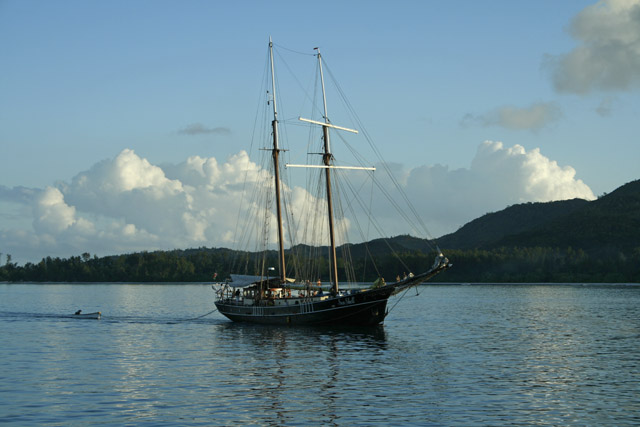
484 355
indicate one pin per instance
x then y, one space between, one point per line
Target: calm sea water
454 355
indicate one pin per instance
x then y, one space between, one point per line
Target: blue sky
439 85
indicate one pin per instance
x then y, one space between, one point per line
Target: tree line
518 265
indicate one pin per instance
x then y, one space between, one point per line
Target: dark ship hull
355 308
349 308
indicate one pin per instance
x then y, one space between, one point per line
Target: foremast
276 167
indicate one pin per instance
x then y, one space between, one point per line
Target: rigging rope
294 51
366 237
199 317
400 299
375 224
378 154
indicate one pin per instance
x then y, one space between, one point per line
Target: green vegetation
535 264
159 266
568 241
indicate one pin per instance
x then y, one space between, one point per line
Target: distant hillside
491 228
397 244
382 247
610 223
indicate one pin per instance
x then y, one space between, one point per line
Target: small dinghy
80 315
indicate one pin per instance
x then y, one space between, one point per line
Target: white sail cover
244 280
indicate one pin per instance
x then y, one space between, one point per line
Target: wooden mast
276 168
327 166
326 159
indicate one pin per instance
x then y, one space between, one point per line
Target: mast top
276 168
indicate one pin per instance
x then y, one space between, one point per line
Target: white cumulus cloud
498 176
127 204
52 214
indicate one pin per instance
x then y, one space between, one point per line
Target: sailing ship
270 296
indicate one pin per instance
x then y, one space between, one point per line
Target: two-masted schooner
270 297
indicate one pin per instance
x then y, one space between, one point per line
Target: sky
123 124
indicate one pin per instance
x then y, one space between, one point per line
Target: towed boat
263 297
80 315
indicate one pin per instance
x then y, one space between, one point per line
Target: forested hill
611 222
491 228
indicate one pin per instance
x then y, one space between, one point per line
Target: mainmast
327 166
326 159
276 168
